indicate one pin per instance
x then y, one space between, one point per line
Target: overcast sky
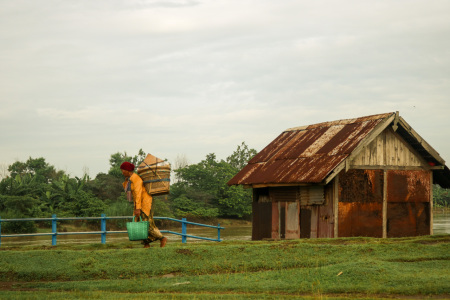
81 80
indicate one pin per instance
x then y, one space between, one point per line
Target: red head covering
127 166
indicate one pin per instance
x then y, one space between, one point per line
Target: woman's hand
137 212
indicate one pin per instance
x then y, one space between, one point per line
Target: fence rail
103 232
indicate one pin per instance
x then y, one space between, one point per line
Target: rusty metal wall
408 219
408 186
408 197
360 203
363 186
360 219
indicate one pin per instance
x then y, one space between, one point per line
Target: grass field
363 268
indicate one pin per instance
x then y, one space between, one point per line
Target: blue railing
103 230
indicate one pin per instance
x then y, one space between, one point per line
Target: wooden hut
369 176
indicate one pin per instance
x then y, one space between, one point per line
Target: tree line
199 191
34 188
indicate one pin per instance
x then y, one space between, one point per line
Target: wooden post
431 203
384 204
336 205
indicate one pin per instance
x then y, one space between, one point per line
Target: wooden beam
395 126
436 168
335 172
264 185
336 205
379 167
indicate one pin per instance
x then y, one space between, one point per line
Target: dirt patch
184 251
419 259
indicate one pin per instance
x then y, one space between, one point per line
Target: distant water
441 225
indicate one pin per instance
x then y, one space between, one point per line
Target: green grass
310 269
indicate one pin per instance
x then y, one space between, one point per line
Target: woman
135 190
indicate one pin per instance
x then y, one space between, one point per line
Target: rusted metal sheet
307 154
362 186
360 219
408 186
284 194
292 220
408 219
306 195
360 203
312 195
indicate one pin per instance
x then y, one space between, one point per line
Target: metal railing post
183 230
103 228
218 232
53 230
0 231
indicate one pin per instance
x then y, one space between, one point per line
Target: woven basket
156 179
138 230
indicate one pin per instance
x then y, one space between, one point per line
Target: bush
187 208
161 207
16 226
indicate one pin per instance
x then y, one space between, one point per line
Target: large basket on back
155 174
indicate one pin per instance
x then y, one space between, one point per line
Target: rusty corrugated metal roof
307 154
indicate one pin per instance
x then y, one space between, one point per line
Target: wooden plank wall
387 149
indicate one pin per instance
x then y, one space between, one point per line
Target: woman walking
136 193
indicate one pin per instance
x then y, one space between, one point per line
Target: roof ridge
340 122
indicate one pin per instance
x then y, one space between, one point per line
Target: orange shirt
142 200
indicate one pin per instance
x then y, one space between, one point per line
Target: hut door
305 222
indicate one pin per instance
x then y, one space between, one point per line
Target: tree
241 156
118 158
205 185
106 187
36 167
441 197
